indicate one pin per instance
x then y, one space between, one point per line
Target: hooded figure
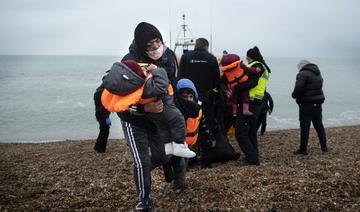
144 33
309 83
310 97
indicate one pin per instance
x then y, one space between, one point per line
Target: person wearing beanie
245 131
139 131
309 96
148 47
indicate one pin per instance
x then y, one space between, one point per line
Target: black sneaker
143 206
324 149
236 156
300 152
99 150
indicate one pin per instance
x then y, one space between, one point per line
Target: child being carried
129 84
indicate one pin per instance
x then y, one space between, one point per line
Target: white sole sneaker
182 150
169 149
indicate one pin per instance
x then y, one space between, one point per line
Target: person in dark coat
202 68
309 96
268 106
103 118
139 131
245 130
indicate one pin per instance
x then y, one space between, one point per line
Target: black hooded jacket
308 86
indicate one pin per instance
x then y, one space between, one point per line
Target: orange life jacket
192 129
116 103
234 74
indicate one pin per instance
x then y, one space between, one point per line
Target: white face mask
156 54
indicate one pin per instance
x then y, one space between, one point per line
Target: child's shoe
169 149
246 110
181 150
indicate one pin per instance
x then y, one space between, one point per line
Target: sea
50 98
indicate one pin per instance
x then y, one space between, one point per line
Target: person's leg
319 127
305 121
204 146
137 140
245 101
157 149
171 128
208 108
179 166
101 141
242 129
263 123
255 107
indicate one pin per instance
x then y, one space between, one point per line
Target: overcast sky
306 28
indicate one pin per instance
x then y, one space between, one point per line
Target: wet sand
70 176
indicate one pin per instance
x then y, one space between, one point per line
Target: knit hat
228 59
302 63
145 32
133 66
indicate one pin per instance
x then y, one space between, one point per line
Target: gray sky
306 28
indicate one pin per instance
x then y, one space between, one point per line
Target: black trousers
262 121
175 170
139 140
102 138
311 113
245 132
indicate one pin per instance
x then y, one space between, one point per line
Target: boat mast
184 42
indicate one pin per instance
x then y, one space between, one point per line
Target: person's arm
157 84
249 70
299 86
151 107
271 103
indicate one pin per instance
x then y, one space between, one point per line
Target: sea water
50 98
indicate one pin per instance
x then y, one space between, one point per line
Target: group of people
174 114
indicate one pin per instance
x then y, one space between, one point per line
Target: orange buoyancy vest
116 103
234 74
192 129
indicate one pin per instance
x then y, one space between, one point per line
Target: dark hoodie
189 109
308 86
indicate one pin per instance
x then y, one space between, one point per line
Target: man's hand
154 107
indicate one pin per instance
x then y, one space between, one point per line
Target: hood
311 67
186 83
302 63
